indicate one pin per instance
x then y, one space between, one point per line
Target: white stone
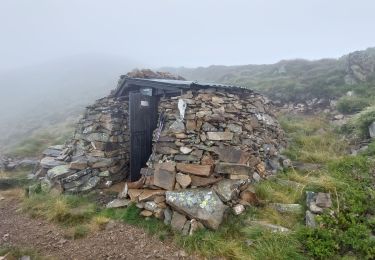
185 150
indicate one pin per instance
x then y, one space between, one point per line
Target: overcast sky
183 32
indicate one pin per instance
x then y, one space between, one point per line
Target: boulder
201 204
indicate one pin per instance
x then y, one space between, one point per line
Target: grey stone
186 228
118 203
91 184
233 168
177 127
272 227
151 205
310 219
287 208
228 189
207 127
59 172
50 162
219 136
164 179
178 221
371 130
201 204
231 154
186 157
234 128
238 209
323 200
167 216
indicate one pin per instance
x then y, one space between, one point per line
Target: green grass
344 233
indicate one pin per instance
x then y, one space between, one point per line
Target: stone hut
189 150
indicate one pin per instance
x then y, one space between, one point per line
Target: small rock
146 213
178 221
310 219
118 203
323 200
256 177
167 216
185 150
287 208
272 227
371 130
183 179
186 228
219 136
238 209
150 205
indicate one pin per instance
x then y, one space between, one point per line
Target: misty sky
183 32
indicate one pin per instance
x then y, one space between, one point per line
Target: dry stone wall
98 154
211 144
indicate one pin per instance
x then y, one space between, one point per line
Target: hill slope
294 80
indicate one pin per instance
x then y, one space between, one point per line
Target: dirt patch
118 241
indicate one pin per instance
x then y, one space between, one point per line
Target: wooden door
142 121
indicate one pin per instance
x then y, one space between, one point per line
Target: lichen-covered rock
59 172
201 204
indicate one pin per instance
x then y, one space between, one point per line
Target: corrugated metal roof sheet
168 83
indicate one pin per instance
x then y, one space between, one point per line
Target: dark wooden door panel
142 110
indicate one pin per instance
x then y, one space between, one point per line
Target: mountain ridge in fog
35 96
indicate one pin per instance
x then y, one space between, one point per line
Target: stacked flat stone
204 163
98 154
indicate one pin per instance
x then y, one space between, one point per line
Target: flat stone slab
287 208
220 136
50 162
196 169
144 194
118 203
201 204
233 169
59 172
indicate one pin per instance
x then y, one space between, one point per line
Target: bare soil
119 241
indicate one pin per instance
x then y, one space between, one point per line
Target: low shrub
352 104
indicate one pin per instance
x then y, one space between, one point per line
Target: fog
57 56
183 32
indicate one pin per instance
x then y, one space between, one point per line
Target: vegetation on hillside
346 231
295 80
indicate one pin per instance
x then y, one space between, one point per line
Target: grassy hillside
295 80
